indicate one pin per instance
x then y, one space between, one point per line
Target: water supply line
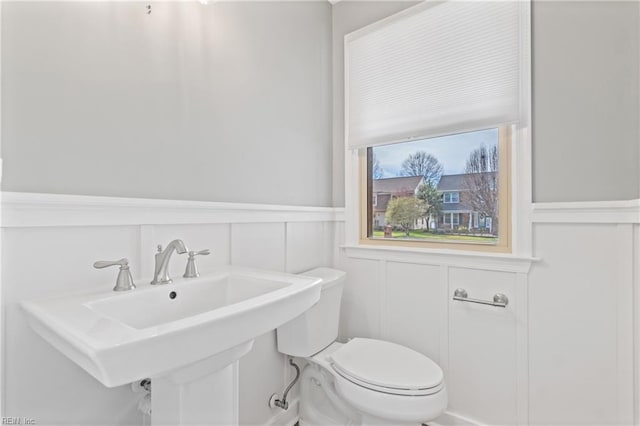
283 403
143 387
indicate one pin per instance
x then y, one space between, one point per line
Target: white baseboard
453 419
290 417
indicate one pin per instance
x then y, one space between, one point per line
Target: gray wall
223 102
233 101
585 115
585 96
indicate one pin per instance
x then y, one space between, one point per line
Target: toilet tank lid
329 276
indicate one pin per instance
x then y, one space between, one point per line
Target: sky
452 151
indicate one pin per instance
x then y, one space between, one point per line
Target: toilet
361 382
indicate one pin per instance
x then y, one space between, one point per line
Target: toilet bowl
361 382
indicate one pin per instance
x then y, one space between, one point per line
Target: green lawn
420 235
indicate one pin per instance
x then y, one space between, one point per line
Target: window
451 218
451 197
449 191
433 96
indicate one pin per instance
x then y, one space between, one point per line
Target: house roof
382 202
454 182
396 185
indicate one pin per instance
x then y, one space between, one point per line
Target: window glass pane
437 189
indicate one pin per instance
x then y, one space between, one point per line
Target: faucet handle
191 271
106 263
124 280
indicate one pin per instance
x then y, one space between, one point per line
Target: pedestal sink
186 336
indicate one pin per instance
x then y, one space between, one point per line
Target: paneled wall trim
21 209
571 326
75 231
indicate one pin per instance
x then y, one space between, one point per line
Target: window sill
455 258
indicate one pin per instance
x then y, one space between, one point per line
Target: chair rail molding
21 209
618 211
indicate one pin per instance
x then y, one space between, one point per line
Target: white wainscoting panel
574 325
258 245
565 350
477 346
302 256
636 323
261 375
562 353
482 348
414 307
362 299
50 244
627 259
329 242
40 382
338 254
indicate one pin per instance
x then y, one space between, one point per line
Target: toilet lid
386 365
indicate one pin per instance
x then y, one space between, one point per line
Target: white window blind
435 69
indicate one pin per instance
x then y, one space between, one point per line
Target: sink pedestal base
204 393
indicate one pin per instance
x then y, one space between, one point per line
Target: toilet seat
387 368
392 391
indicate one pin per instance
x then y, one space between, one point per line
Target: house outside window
386 190
458 198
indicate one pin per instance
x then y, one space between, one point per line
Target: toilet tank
317 328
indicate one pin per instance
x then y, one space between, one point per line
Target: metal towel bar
499 299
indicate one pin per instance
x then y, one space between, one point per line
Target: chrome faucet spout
161 270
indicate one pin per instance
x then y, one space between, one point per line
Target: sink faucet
161 274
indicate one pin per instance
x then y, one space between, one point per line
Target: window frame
450 194
505 230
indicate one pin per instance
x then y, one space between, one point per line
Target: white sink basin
121 337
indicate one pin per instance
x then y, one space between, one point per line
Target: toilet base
369 422
321 405
375 421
